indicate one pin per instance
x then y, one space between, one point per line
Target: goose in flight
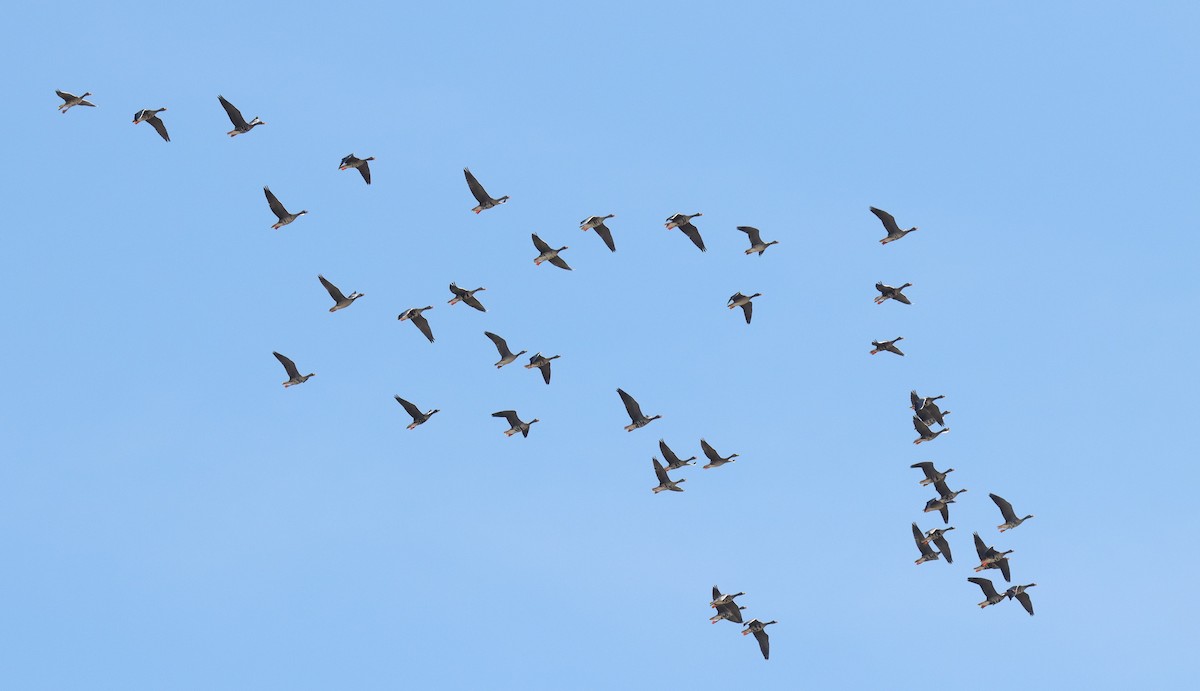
730 611
665 483
548 254
889 293
925 432
940 505
1018 591
989 591
756 243
889 346
481 195
340 301
988 554
674 462
938 537
932 474
1010 517
515 424
919 402
684 223
719 599
240 126
743 301
756 627
294 376
597 223
418 417
151 116
714 459
353 161
889 223
927 553
414 315
506 355
70 100
284 216
466 296
635 412
543 363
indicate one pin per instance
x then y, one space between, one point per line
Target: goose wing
501 344
921 427
748 308
1023 598
693 235
235 115
897 295
65 96
276 206
365 169
544 366
710 452
540 244
605 235
944 547
288 365
661 473
510 415
917 401
333 290
409 408
942 488
1003 564
631 406
159 127
890 346
716 590
673 459
980 548
755 239
926 467
477 190
472 301
918 536
732 611
889 221
423 325
989 590
560 262
1005 508
764 643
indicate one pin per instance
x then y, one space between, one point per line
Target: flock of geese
926 411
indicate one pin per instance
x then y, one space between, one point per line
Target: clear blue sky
173 518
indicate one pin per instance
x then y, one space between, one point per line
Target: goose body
240 126
548 254
743 301
597 223
353 161
414 315
294 376
889 346
70 100
887 292
925 433
543 363
684 223
1010 517
516 426
150 115
636 417
506 355
756 243
285 217
665 483
418 418
889 224
480 194
467 297
756 627
674 462
714 459
340 301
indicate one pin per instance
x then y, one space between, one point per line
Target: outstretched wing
897 295
333 290
764 643
472 301
631 406
693 235
710 452
1023 598
926 467
365 169
889 221
748 308
605 235
921 427
755 239
1005 508
540 244
159 127
273 201
510 415
980 548
288 365
409 408
560 262
918 537
989 590
944 547
235 115
661 473
423 325
544 366
477 190
501 344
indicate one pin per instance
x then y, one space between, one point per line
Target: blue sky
175 519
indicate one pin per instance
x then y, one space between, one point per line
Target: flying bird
506 355
719 599
418 417
889 293
988 555
597 223
944 491
419 321
931 413
684 223
340 301
925 432
989 592
1018 591
714 459
294 376
743 301
919 402
889 346
756 627
70 100
665 483
927 553
151 116
932 474
466 296
1010 517
938 537
889 223
674 462
542 363
635 412
548 254
481 195
240 126
940 505
756 243
353 161
730 611
515 424
284 216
